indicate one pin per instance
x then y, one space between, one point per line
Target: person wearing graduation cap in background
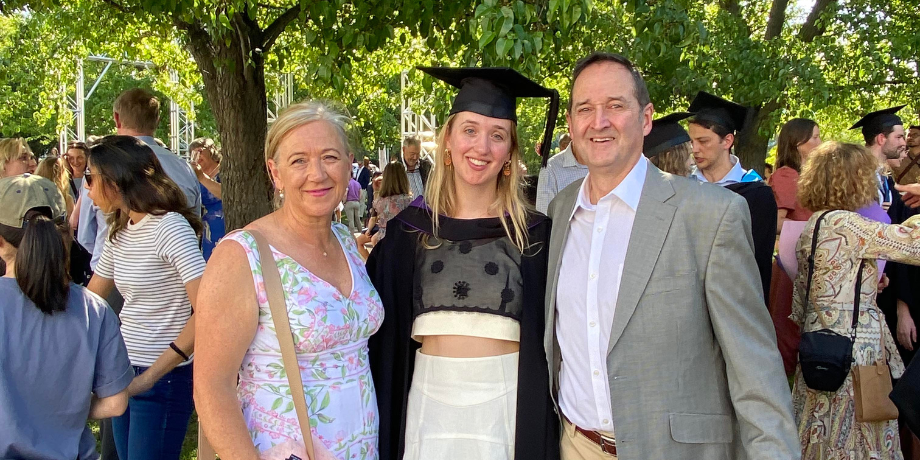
458 363
712 132
668 147
883 132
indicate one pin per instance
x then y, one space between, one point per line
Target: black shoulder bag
826 356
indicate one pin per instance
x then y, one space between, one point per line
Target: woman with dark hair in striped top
152 256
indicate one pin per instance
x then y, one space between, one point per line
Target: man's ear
881 139
117 120
730 139
648 112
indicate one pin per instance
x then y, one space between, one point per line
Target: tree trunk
752 144
234 83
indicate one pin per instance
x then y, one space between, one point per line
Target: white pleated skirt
462 408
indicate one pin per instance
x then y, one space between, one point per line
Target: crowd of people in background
648 297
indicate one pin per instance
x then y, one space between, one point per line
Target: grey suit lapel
650 227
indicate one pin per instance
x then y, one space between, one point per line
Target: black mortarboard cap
707 107
877 122
666 133
493 92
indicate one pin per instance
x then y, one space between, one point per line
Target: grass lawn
189 447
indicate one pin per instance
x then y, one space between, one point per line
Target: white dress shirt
589 283
734 176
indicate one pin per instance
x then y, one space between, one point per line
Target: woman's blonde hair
674 160
297 115
11 149
441 192
55 170
838 176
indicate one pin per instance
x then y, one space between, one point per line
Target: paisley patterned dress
330 336
827 421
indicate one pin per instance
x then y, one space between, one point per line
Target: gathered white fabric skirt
462 408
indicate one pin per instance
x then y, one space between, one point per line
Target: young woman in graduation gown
458 364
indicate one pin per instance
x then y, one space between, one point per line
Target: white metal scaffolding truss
413 124
283 97
181 125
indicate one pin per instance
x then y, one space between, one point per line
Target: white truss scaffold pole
68 107
181 125
413 124
283 97
80 100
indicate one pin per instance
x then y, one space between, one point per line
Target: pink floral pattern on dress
330 335
827 421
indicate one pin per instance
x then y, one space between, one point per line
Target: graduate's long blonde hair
441 192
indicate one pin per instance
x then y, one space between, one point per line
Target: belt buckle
605 441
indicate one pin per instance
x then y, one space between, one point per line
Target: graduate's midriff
462 346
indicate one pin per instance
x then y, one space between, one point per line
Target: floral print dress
387 208
330 337
827 420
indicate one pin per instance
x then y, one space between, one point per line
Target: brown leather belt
608 445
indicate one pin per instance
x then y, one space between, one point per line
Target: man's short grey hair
413 141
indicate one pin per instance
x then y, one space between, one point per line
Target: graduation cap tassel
551 115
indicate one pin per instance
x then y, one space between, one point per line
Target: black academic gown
903 279
391 267
762 205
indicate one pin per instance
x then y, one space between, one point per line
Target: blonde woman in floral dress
841 178
332 307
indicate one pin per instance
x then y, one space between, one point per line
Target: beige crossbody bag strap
273 289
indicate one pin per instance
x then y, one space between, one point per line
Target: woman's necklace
319 246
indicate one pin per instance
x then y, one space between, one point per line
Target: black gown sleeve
391 268
762 206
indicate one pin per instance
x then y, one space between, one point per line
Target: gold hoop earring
447 160
506 170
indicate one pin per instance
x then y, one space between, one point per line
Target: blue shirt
50 366
213 219
561 170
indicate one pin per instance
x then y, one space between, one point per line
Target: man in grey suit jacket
658 341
